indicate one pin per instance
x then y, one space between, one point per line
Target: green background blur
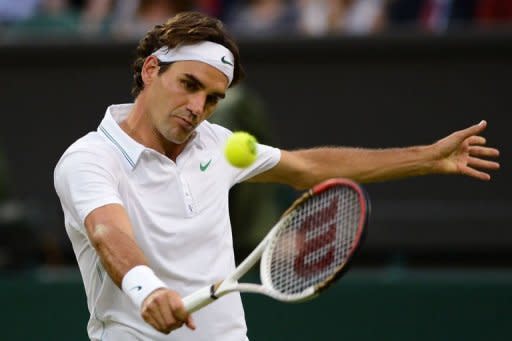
390 304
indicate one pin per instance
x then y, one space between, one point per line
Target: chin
177 138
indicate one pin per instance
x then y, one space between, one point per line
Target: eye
189 85
212 100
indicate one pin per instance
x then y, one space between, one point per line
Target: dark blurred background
437 263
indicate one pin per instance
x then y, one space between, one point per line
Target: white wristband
139 282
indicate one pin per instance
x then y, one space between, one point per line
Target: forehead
205 73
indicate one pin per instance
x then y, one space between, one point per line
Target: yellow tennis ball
241 149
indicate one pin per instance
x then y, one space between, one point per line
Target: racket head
315 240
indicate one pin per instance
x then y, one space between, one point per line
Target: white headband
207 52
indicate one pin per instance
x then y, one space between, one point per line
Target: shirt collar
109 127
131 149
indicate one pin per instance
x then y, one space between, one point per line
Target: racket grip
198 299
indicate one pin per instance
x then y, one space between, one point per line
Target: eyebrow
200 84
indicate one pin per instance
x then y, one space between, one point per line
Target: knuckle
158 300
150 301
150 308
175 326
156 326
176 304
146 313
169 328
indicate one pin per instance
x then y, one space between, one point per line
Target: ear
149 70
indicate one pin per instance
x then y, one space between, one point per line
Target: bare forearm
118 252
305 168
463 153
110 231
369 165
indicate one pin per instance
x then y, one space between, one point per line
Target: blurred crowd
23 241
129 19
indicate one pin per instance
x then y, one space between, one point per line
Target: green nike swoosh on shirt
203 167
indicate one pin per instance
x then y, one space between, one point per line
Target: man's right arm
110 232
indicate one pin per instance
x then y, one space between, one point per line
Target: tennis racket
308 249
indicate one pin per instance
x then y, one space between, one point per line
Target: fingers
483 151
464 152
482 164
151 315
478 153
476 140
476 168
164 310
182 314
150 312
170 318
151 320
475 173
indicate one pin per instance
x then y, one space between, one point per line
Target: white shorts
117 332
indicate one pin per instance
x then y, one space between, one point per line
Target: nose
196 104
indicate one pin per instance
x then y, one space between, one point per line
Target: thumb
474 129
190 323
182 314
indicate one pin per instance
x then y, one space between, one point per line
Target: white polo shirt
180 217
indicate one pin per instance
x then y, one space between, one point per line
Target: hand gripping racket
308 249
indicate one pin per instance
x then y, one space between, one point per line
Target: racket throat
213 290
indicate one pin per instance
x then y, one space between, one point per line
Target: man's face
182 97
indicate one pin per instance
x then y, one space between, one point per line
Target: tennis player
145 197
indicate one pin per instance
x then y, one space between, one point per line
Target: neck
139 127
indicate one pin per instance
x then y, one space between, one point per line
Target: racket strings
316 240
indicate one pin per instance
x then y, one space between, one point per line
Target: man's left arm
462 152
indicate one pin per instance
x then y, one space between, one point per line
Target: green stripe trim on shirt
100 273
125 154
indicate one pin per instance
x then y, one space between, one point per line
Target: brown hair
183 28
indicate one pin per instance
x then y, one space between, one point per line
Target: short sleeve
85 180
268 157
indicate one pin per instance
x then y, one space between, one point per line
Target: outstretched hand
464 152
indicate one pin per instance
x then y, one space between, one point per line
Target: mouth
185 123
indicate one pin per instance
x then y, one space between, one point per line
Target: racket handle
198 299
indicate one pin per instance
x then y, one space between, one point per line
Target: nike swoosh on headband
225 61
